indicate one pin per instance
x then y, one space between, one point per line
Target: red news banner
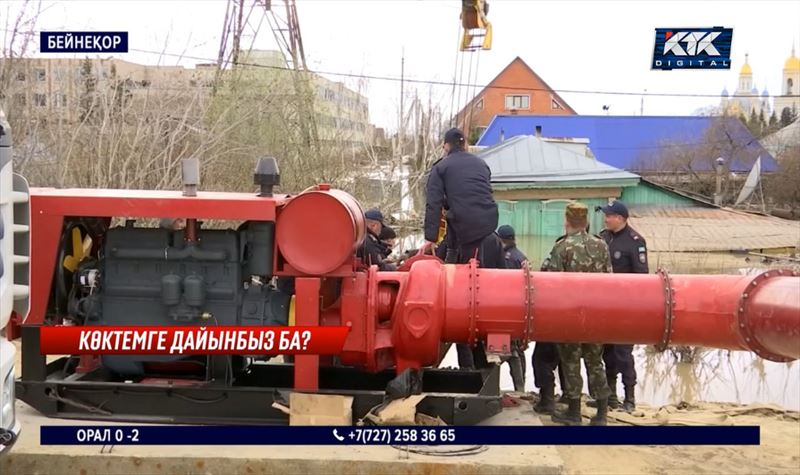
127 340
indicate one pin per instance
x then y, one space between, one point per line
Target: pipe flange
669 309
528 304
473 306
743 324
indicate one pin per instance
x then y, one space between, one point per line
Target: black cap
454 136
617 207
505 232
374 214
387 233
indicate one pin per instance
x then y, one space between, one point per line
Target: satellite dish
753 179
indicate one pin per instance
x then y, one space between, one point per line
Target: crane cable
468 127
466 89
456 80
471 84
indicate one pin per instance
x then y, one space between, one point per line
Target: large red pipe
408 314
400 318
462 303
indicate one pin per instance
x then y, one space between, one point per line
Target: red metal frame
307 313
50 206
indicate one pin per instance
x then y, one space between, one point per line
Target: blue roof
644 143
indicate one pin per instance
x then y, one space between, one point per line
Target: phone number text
409 435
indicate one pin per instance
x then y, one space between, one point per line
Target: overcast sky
572 45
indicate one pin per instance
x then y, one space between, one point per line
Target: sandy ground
779 452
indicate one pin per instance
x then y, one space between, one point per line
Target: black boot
547 401
573 415
613 401
629 405
517 374
601 419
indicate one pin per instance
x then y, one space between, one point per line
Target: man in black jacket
460 184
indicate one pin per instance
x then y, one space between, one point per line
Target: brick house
517 90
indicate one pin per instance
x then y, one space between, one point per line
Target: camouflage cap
576 211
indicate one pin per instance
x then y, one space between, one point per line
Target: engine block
154 276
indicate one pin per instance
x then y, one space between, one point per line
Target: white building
746 98
790 85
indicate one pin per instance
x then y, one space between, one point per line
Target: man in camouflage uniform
579 251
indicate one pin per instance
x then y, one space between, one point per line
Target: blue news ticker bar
408 435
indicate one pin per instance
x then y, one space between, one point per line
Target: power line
433 82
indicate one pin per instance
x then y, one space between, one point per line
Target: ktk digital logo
693 48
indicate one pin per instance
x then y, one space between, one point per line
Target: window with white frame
518 101
554 104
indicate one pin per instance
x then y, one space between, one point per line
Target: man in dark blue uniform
460 184
388 239
628 252
372 251
515 259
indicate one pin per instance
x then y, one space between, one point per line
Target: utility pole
401 124
237 38
719 165
286 30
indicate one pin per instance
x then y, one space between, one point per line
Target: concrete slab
28 457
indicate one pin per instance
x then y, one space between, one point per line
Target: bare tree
119 130
18 34
783 187
690 165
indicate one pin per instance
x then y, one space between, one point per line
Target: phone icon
338 437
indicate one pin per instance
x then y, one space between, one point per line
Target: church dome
746 69
725 92
765 93
792 64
